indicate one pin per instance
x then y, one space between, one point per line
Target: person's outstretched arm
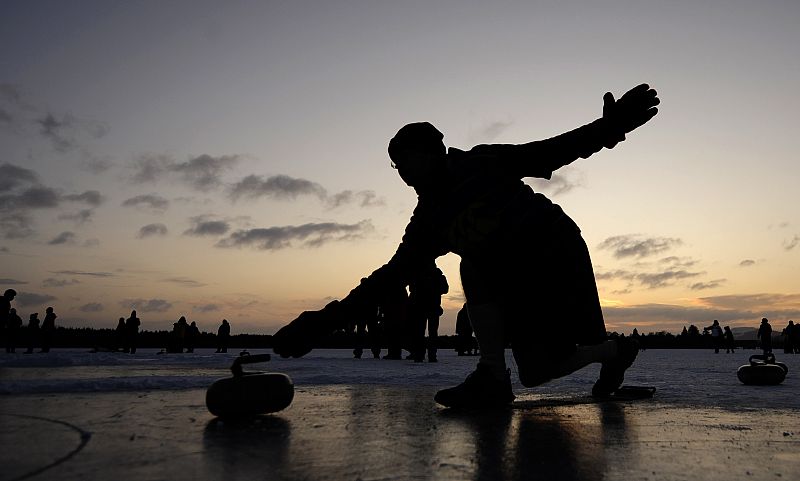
541 158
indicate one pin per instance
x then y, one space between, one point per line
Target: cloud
34 197
763 302
11 282
153 202
27 299
81 217
84 273
281 187
203 172
203 226
791 244
206 308
65 237
151 230
562 182
91 197
63 132
12 176
307 235
91 307
664 279
52 282
364 198
664 275
146 305
633 246
699 286
21 194
747 263
183 281
489 132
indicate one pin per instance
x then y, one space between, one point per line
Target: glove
632 110
298 338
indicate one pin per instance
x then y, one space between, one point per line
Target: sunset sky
228 159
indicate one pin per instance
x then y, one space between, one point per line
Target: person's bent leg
490 384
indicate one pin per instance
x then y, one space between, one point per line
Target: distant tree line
87 337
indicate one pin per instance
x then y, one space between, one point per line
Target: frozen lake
684 377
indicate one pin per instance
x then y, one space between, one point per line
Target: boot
613 372
481 389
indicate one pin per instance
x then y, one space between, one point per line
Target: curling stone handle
236 368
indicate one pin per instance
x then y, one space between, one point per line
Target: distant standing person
48 329
192 333
427 287
765 335
463 332
5 309
788 341
13 326
132 330
120 339
730 342
716 335
223 336
33 332
795 336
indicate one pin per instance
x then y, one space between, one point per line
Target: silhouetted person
132 324
177 338
795 336
33 332
523 260
192 334
716 335
48 329
765 335
425 307
393 308
463 332
120 339
223 336
5 310
788 341
730 342
13 326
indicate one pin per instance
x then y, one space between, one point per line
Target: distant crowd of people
40 333
400 319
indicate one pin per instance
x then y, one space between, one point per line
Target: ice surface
681 376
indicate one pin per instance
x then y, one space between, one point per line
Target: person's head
49 310
716 322
133 313
414 150
34 315
764 320
194 323
10 294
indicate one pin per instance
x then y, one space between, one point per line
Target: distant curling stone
247 394
763 370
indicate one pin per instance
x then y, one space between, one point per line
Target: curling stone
763 370
249 393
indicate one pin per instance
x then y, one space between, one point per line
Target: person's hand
632 110
298 338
